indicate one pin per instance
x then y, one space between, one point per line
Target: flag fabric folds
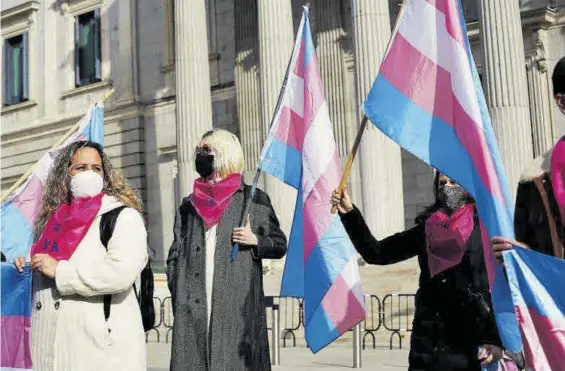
428 98
15 312
300 150
536 282
18 215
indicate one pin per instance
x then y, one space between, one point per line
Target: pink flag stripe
449 9
437 45
14 353
288 128
538 330
28 202
430 74
298 69
313 92
316 218
341 315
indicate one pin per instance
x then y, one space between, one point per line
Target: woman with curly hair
74 271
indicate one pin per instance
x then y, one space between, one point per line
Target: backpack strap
555 241
107 225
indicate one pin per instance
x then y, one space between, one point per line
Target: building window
16 70
87 48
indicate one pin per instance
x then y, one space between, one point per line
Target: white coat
68 329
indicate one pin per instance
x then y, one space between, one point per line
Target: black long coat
454 313
238 337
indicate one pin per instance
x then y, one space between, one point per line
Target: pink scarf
558 176
212 199
67 227
446 238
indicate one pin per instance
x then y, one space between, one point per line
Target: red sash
212 199
67 227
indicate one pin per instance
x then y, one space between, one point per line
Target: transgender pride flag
300 150
18 215
428 98
536 281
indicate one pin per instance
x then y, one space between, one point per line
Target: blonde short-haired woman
218 303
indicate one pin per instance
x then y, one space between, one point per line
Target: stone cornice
21 11
60 125
531 19
541 18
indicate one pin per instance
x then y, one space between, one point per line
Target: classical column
126 90
193 98
276 39
381 164
331 56
506 86
251 128
541 111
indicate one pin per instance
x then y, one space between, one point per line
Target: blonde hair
228 158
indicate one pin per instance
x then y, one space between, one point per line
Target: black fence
392 314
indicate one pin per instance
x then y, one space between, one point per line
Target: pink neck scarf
558 176
67 227
446 238
212 199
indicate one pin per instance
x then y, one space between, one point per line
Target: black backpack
145 294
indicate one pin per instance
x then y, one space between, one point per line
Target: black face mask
204 164
451 198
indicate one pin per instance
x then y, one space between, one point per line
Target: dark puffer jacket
453 310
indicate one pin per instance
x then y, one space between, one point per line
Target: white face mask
86 184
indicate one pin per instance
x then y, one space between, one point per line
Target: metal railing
394 313
397 315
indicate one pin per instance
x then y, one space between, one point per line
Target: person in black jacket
538 220
454 326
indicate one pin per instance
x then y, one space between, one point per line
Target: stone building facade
182 67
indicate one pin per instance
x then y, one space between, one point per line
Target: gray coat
238 337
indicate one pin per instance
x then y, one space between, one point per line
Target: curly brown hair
57 187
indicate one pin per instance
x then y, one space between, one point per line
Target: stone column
381 164
126 89
251 128
193 97
506 87
276 39
331 56
541 112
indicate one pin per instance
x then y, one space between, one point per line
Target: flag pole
249 199
67 135
364 120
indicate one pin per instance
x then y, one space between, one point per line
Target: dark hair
428 211
558 78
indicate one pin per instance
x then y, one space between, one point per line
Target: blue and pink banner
536 282
15 310
18 215
428 98
300 150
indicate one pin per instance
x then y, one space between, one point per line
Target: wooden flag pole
67 135
365 119
352 154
